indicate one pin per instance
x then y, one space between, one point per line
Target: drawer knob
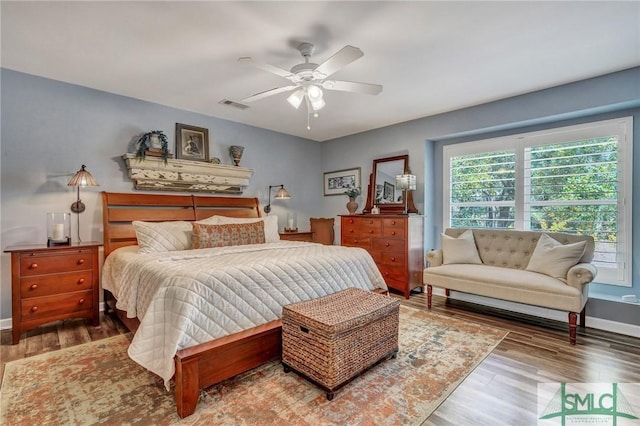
33 266
371 222
34 309
393 222
80 261
387 244
386 274
355 241
81 301
393 259
33 286
81 281
371 231
393 233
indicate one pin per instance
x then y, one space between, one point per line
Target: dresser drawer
59 304
393 259
39 264
45 285
394 232
394 276
356 241
389 245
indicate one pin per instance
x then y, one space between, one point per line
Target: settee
550 270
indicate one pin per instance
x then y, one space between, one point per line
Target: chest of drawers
394 242
53 283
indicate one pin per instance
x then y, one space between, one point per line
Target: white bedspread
184 298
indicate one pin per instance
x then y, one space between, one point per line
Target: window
573 179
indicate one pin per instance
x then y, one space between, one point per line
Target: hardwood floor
500 391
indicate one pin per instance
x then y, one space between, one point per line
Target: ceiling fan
309 78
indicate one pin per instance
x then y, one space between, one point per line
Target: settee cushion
459 250
508 284
553 258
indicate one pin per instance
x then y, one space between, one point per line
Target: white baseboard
552 314
597 323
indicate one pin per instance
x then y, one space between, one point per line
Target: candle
58 232
290 223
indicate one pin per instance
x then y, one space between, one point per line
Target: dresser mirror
382 191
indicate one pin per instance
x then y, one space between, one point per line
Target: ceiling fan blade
266 67
343 57
268 93
350 86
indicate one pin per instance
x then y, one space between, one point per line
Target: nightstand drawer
60 304
50 264
46 285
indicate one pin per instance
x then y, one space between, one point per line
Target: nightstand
297 236
53 283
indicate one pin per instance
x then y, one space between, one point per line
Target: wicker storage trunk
332 339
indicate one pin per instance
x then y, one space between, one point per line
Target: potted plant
154 143
352 193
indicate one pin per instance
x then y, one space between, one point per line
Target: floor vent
233 104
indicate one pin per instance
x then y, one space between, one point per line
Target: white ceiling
431 57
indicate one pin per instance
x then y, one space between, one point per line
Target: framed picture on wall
336 183
192 143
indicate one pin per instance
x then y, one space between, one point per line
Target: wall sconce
405 183
81 178
282 194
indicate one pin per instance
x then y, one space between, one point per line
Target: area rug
96 383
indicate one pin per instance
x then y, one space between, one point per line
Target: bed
202 316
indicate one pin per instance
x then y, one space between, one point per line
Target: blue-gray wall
50 128
609 96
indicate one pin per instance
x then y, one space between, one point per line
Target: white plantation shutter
574 179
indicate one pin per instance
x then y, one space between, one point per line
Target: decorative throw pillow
551 257
232 234
271 234
156 237
459 250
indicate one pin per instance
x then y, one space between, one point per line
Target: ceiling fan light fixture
314 92
296 98
317 105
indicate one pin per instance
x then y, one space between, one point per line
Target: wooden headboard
120 209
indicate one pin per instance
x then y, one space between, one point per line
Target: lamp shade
82 178
282 194
406 182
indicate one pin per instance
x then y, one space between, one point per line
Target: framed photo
192 143
389 193
335 183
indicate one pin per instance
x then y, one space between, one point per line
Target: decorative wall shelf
153 174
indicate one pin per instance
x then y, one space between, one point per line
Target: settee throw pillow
459 250
551 257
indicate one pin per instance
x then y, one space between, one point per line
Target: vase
236 152
352 206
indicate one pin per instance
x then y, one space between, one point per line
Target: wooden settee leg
583 318
573 317
429 294
187 389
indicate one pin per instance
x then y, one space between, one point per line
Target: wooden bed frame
209 363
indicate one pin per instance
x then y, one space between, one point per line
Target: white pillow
156 237
271 234
459 250
551 257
